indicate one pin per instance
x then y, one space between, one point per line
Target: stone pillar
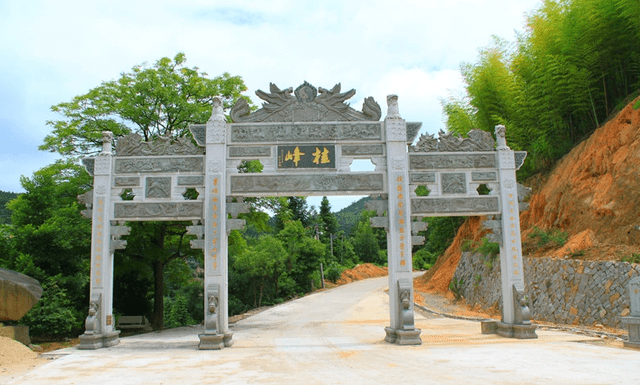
402 330
216 333
632 322
515 313
99 324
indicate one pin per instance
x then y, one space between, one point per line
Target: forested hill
349 216
575 65
5 213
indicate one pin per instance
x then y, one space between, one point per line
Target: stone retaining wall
558 290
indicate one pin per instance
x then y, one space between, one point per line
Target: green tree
329 221
152 100
263 262
158 100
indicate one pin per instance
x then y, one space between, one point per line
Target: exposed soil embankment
592 194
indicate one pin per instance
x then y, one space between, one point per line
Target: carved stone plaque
126 181
240 152
305 132
455 206
313 156
148 165
190 181
487 176
454 183
422 177
199 132
301 184
158 211
451 161
158 187
355 150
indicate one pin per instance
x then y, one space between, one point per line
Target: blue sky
52 51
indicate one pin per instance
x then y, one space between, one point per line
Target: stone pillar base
403 337
633 327
19 333
97 341
215 341
522 332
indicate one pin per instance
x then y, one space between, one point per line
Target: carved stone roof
133 145
477 140
306 104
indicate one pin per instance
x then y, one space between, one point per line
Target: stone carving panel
454 183
305 105
133 145
422 177
152 165
358 150
451 161
126 181
190 181
240 152
477 140
102 165
455 206
157 211
89 164
199 132
296 133
301 184
158 187
480 176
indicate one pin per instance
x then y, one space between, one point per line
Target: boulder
18 294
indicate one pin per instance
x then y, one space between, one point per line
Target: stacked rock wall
558 290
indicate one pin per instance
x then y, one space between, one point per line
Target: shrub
53 315
334 272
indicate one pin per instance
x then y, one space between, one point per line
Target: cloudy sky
51 51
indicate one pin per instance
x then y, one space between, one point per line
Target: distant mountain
5 213
349 216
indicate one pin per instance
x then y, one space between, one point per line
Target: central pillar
216 333
402 329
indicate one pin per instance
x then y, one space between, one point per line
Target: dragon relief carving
477 140
133 145
306 104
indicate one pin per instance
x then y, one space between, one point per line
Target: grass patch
551 237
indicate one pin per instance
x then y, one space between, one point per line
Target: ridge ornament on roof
306 104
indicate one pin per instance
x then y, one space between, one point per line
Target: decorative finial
218 110
107 138
392 107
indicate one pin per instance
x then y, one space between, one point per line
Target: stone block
19 333
489 327
633 326
517 331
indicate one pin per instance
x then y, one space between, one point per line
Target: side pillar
216 333
515 312
99 324
402 330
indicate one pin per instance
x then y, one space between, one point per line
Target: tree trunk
158 295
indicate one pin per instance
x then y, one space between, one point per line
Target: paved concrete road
336 337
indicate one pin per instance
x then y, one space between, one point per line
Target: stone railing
558 290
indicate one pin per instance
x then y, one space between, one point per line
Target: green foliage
349 216
365 242
575 63
54 314
456 286
176 312
5 213
633 258
636 105
158 100
424 259
329 221
554 237
334 272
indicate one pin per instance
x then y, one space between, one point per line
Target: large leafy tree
157 100
152 100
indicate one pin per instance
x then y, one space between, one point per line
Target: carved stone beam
495 225
380 206
235 208
379 222
418 226
417 240
198 231
235 224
